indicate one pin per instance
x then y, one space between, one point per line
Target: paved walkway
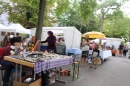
114 72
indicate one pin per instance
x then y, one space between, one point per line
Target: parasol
94 34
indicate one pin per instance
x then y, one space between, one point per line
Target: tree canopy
86 15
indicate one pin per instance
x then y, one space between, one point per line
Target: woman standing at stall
5 41
85 50
51 40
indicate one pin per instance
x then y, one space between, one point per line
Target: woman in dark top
121 47
51 40
95 55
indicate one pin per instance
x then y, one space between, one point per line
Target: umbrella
94 34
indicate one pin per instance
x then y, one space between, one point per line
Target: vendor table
38 66
105 54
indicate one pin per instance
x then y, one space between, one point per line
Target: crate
37 82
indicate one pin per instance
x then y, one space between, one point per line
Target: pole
42 6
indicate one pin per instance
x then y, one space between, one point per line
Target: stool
75 70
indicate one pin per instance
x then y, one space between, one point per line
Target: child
95 55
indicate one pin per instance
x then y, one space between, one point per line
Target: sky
126 8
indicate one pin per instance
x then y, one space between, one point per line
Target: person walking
125 50
121 48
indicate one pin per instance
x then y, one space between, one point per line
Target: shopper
93 45
8 65
51 40
121 47
85 50
125 50
5 41
95 56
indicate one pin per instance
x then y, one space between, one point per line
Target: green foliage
117 25
80 15
87 8
25 12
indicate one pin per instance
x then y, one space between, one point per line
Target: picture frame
3 33
12 33
8 33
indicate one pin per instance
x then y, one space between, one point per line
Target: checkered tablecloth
42 66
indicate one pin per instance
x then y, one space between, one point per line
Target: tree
25 12
79 15
116 25
106 6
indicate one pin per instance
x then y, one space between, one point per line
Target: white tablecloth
105 54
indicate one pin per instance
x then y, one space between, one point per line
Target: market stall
99 36
40 62
13 29
71 36
105 54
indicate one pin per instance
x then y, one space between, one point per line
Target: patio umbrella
94 34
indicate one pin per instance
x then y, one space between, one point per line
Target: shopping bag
95 54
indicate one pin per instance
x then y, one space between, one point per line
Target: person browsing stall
95 55
121 48
8 65
85 50
51 40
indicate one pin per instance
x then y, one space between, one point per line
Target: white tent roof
18 29
115 39
2 26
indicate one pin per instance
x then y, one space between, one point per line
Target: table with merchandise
40 62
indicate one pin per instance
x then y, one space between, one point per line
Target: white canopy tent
98 40
17 28
111 41
71 35
2 26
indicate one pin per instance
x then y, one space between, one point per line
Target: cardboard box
37 82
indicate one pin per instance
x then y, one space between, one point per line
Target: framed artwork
3 33
17 34
8 33
12 33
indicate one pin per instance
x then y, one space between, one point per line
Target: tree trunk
102 21
42 6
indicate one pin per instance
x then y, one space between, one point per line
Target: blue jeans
9 67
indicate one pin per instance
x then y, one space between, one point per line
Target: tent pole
40 20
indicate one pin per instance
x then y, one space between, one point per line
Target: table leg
16 73
58 79
34 77
20 75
